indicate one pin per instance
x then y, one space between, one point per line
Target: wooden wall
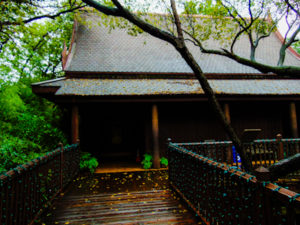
102 123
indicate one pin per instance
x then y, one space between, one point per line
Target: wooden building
128 94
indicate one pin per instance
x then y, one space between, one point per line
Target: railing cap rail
293 140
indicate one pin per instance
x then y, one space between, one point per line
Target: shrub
15 151
87 161
147 162
30 126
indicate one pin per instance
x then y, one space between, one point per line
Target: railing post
280 147
229 154
61 165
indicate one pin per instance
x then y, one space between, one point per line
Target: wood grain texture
140 207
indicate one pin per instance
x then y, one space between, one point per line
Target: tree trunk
284 167
188 57
281 55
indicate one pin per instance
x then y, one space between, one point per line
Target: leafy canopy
32 35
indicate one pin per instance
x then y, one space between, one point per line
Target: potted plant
147 162
164 162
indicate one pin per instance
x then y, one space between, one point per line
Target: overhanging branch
120 11
8 23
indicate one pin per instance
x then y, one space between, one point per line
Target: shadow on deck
119 198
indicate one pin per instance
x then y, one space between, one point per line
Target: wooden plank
149 207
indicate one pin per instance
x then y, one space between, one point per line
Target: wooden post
280 147
61 165
293 116
75 124
227 112
155 134
229 149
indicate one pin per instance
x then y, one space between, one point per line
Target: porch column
155 135
75 124
227 112
293 116
229 149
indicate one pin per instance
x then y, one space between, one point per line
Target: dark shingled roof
128 87
95 49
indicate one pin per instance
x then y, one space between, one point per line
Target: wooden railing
260 152
222 194
28 188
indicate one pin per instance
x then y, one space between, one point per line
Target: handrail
28 188
222 194
262 152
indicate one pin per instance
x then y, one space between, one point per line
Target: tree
16 14
257 25
30 126
32 34
31 42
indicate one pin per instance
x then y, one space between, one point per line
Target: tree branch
284 71
40 42
285 45
233 17
8 23
120 11
177 20
291 7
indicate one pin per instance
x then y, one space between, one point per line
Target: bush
87 161
30 126
15 151
147 162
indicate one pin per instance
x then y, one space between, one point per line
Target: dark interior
119 132
113 132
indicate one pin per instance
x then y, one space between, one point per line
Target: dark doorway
114 133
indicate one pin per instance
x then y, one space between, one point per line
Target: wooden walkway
147 207
133 200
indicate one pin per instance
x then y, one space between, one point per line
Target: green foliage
33 49
29 126
88 162
30 52
15 151
164 161
147 162
296 46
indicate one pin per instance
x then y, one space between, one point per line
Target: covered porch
125 117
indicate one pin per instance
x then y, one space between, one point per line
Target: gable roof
105 64
98 50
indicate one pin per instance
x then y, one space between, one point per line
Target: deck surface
119 198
